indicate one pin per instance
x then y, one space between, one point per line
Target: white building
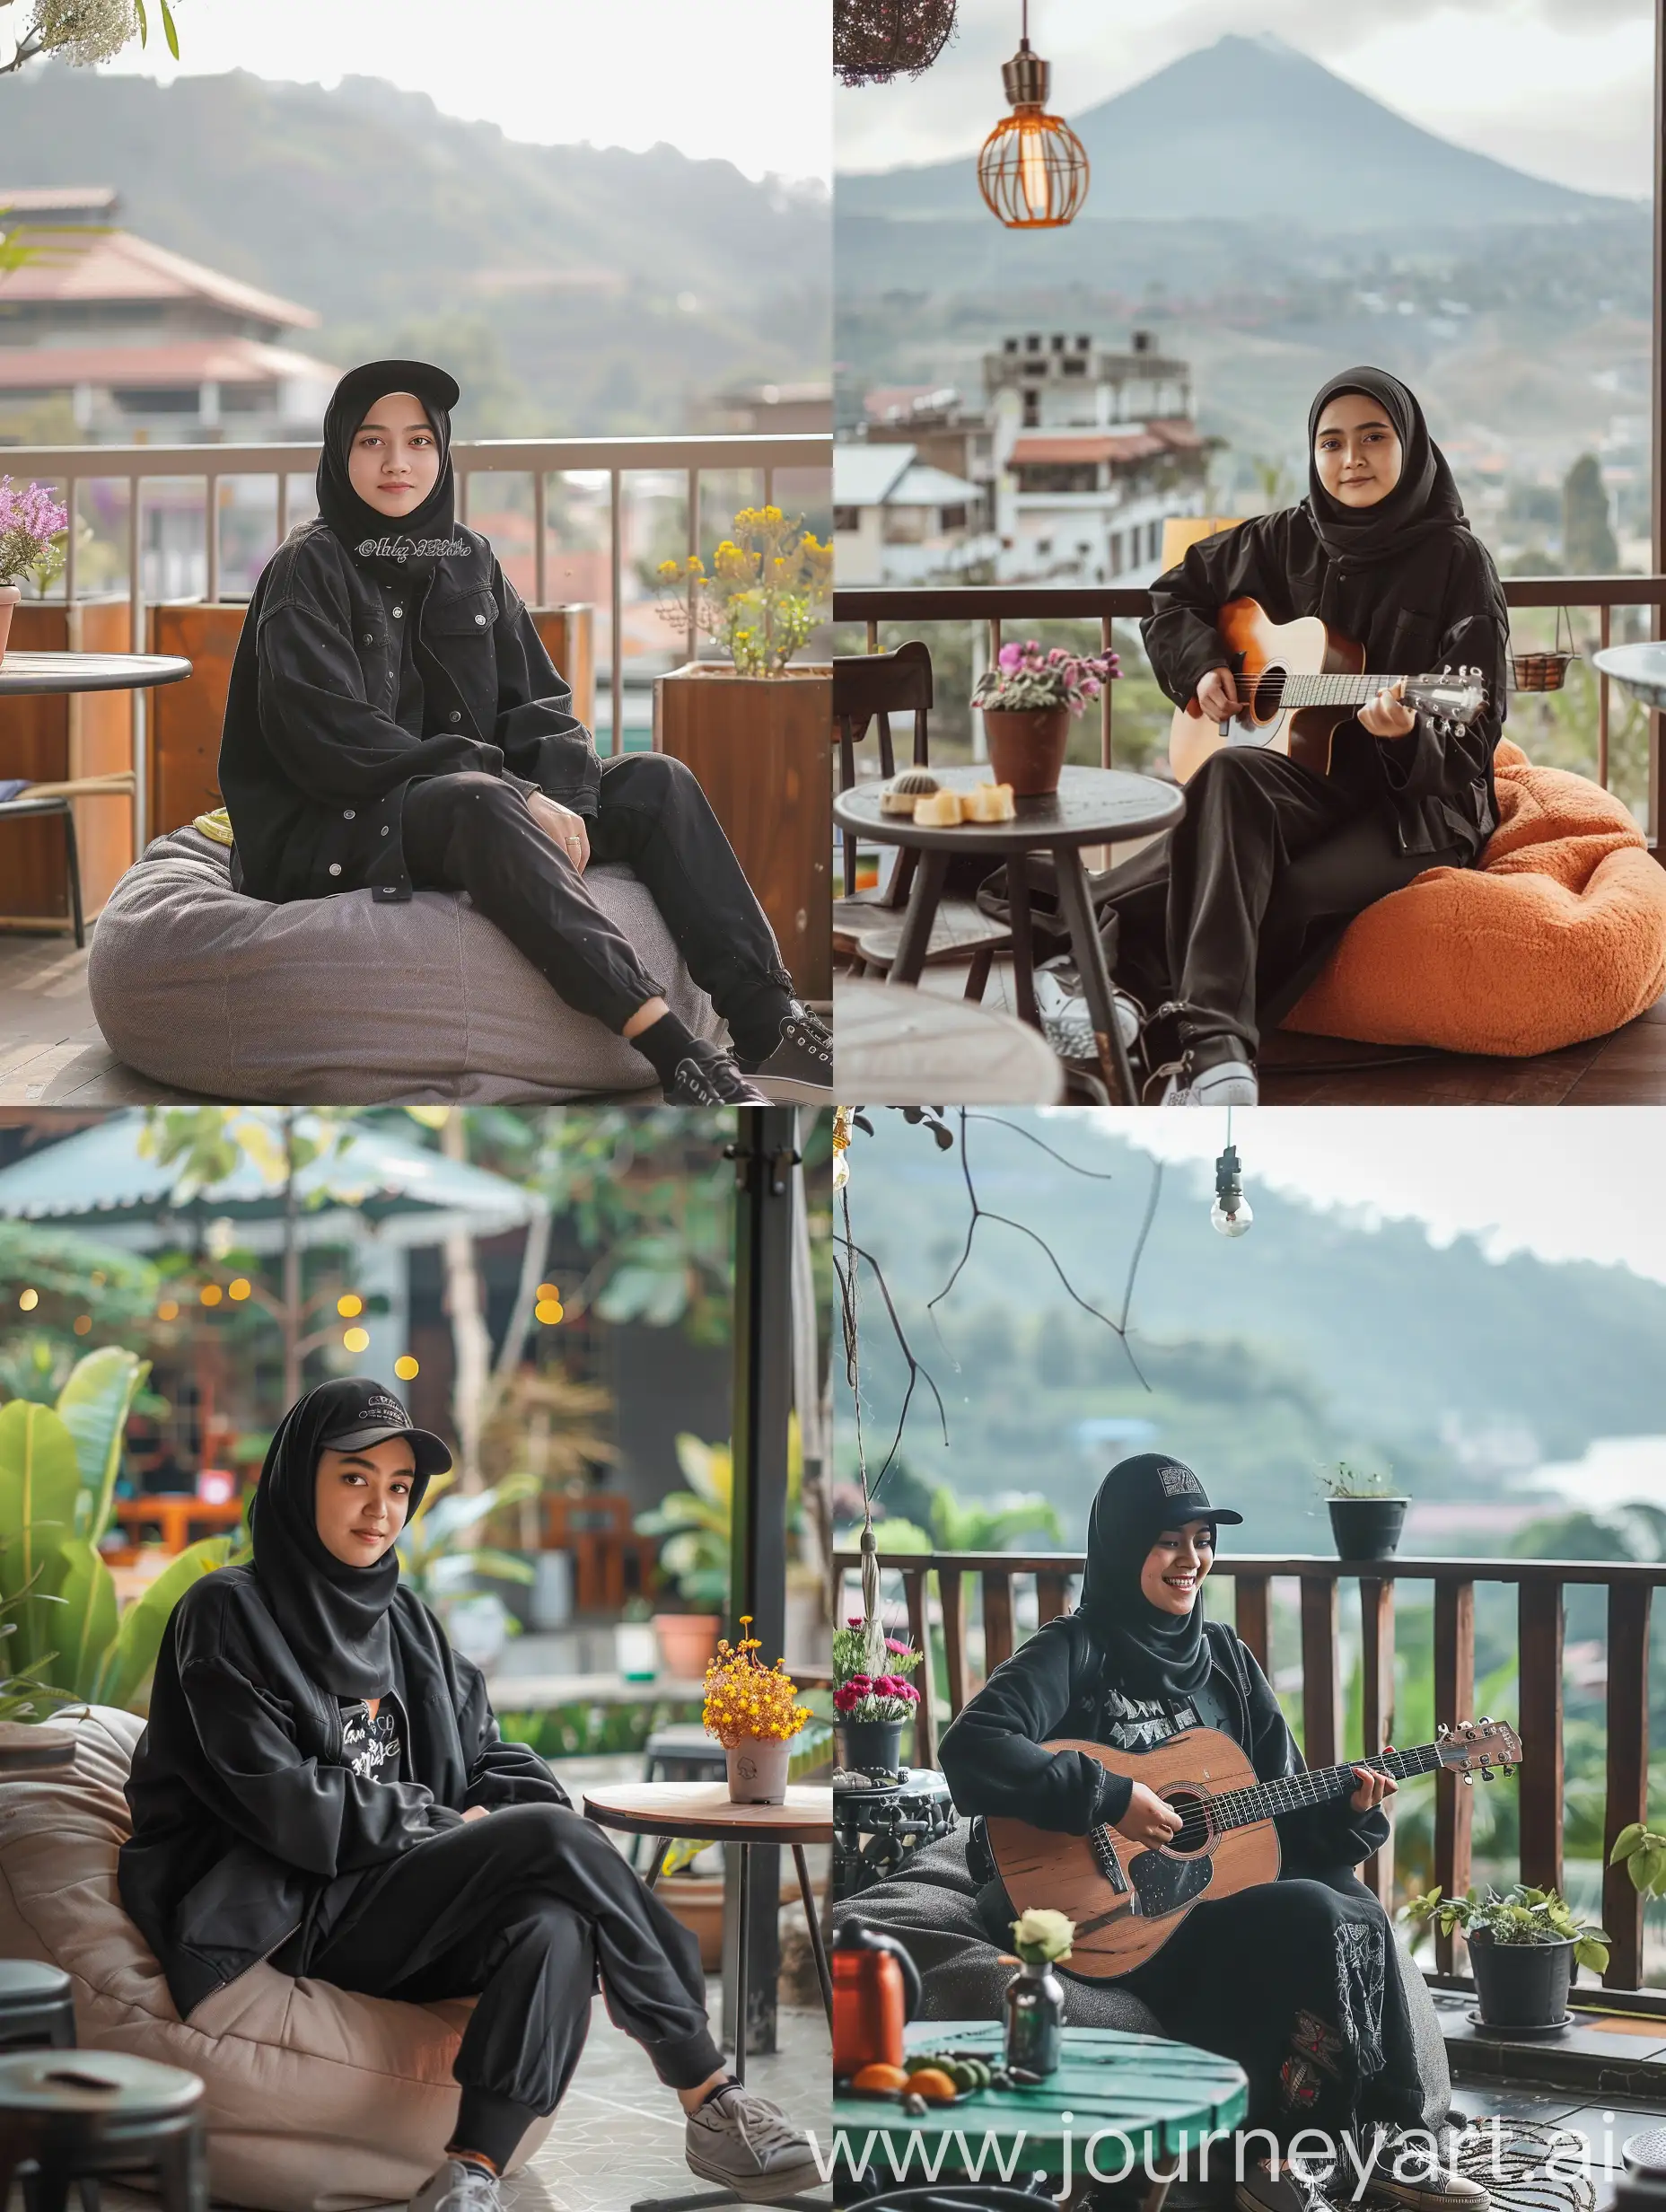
899 519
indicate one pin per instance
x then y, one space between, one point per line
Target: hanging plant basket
875 40
1546 671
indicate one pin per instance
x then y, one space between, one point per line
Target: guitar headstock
1453 697
1478 1746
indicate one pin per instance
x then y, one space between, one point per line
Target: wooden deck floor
1627 1068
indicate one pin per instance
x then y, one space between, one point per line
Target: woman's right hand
1147 1819
1217 696
562 826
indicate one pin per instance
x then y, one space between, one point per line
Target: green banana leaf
93 1405
40 1482
84 1623
131 1655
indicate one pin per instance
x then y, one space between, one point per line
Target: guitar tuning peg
1469 1781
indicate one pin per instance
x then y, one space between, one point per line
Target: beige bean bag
352 1002
317 2099
1560 935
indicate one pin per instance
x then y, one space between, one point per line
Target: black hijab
1149 1653
334 1617
1423 502
402 548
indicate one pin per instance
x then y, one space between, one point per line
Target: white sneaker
1229 1083
1062 1006
750 2145
458 2187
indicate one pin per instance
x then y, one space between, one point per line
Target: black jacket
344 689
1439 604
244 1826
994 1759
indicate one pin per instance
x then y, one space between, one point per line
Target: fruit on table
880 2077
933 2084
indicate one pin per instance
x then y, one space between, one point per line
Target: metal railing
995 604
694 456
1540 1587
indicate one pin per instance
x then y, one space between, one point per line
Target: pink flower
852 1620
893 1643
1011 657
847 1695
894 1686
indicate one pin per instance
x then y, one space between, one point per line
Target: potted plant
753 727
873 1694
34 527
1366 1514
1028 699
1525 1944
754 1713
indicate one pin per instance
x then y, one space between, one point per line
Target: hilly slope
1298 145
395 222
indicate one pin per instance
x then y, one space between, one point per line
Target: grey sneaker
1229 1083
1287 2190
1062 1006
749 2145
458 2187
1418 2170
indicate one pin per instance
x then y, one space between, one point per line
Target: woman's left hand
1373 1786
562 826
1388 715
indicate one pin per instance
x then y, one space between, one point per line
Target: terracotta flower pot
757 1771
1027 747
9 596
688 1642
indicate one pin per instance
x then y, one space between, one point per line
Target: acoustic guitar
1296 682
1128 1899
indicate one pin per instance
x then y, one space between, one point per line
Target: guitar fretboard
1240 1808
1334 691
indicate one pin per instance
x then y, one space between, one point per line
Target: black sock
664 1043
490 2126
729 2081
754 1021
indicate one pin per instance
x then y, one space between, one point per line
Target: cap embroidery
1177 1480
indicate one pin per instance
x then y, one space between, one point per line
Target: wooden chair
868 689
56 799
598 1531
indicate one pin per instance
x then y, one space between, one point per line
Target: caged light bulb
1231 1214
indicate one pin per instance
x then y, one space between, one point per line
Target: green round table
1118 2101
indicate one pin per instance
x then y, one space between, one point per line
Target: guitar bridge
1105 1858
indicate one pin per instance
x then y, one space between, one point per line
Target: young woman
322 1783
1294 1979
1223 922
394 722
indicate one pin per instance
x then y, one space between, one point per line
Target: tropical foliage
695 1523
1519 1915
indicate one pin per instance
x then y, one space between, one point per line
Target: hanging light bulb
1230 1213
1033 169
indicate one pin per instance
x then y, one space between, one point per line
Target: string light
348 1304
29 1300
84 1322
1033 169
407 1368
211 1293
239 1289
169 1310
355 1339
549 1311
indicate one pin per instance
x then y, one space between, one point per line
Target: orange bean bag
1558 934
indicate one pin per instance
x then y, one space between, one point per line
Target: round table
896 1817
90 671
1118 2101
1091 806
1641 669
29 1747
912 1048
666 1810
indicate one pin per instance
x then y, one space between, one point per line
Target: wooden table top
1155 2096
704 1809
1091 806
894 1045
90 671
28 1747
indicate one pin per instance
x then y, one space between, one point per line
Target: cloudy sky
748 81
1567 1183
1561 88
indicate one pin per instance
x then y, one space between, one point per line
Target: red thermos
876 1987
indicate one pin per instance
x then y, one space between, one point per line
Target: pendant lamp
875 40
1033 169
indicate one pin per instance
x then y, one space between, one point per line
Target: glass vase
1035 2018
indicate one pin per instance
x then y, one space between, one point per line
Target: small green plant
1642 1851
1345 1481
767 589
1515 1916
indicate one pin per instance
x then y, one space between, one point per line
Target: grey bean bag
350 1001
931 1907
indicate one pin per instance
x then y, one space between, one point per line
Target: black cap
1161 1493
370 1414
373 379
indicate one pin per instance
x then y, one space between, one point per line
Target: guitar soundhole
1268 697
1195 1835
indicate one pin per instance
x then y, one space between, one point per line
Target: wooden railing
1541 1606
995 604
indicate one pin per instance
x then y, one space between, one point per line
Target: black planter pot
1522 1984
1367 1528
872 1746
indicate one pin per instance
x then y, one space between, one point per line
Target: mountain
606 290
1250 129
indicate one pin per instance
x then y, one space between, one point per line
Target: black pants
1296 1981
1224 911
475 833
523 1909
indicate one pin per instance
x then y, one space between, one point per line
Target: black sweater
244 1822
994 1759
1441 604
345 690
